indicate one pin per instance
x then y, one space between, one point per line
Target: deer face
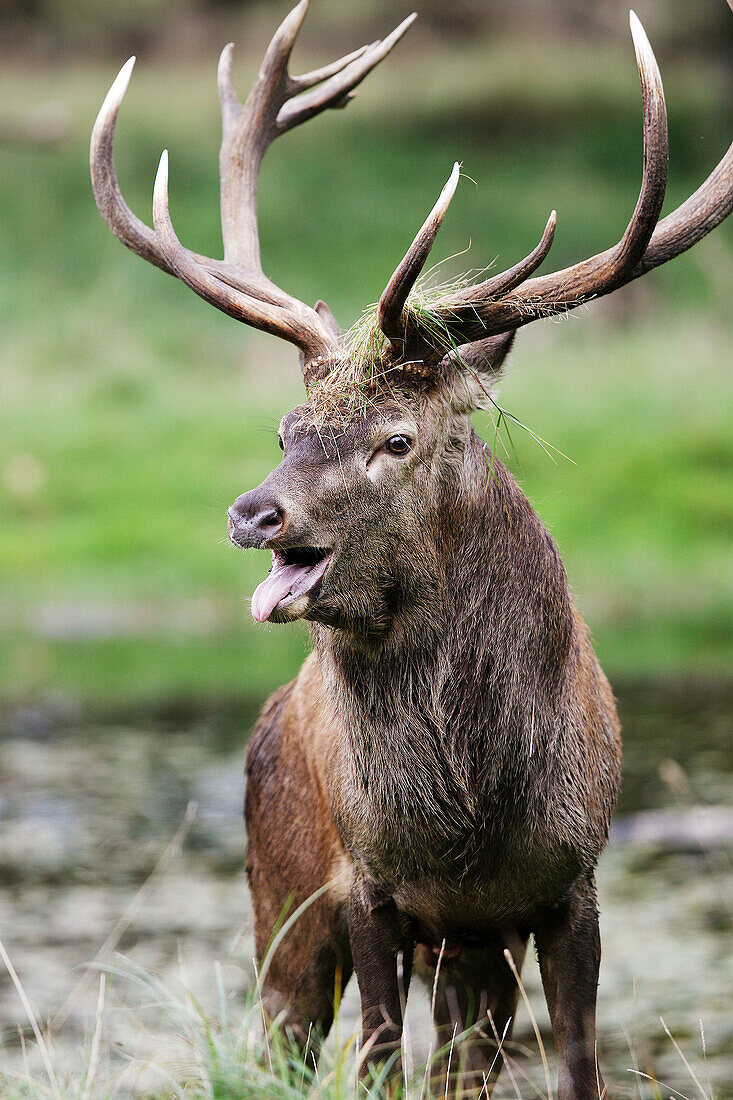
346 511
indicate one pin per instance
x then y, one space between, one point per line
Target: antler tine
317 76
337 91
394 297
294 325
609 269
119 217
273 70
634 242
231 106
507 280
247 132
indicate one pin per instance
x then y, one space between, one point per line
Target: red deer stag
447 760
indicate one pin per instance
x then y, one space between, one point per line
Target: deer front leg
569 948
379 933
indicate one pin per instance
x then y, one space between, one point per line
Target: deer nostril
244 514
272 518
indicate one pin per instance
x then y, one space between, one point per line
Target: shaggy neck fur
455 715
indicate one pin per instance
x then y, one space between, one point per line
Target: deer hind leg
569 950
292 852
476 993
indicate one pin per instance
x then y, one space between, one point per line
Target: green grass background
132 414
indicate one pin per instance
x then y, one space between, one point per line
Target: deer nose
251 522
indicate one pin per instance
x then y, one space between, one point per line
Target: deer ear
486 357
328 319
473 369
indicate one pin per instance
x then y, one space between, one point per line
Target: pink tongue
274 588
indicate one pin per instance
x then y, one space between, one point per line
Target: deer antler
278 102
506 301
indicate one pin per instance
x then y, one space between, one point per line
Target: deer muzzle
252 522
255 521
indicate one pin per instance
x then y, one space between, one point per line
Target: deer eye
399 444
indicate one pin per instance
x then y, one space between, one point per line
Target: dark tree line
56 29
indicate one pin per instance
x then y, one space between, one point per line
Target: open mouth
294 573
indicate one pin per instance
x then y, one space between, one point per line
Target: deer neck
481 619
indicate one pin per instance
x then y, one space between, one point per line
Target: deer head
381 465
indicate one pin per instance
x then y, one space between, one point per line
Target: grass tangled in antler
365 370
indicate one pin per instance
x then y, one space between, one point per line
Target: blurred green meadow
132 413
